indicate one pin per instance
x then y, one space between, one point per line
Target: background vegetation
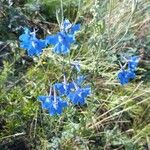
115 117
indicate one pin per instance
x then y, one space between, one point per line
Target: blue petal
75 28
41 44
75 98
60 88
24 45
71 96
133 63
60 106
42 98
62 43
24 37
131 75
46 101
61 48
70 28
124 77
52 39
59 110
86 92
52 110
63 103
82 101
70 38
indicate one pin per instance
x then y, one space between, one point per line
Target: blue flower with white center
133 63
125 76
79 95
29 42
69 27
53 104
62 42
64 88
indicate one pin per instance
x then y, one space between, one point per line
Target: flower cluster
72 91
62 40
125 76
31 43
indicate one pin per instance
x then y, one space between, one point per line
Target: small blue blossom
53 104
64 88
125 76
62 42
69 27
78 97
133 63
29 42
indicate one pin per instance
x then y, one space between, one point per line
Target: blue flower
133 63
64 88
125 76
62 42
69 28
64 38
78 97
29 42
52 105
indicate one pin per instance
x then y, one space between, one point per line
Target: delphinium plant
62 41
71 91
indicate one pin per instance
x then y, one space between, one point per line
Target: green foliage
115 117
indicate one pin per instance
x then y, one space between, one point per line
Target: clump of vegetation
114 116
